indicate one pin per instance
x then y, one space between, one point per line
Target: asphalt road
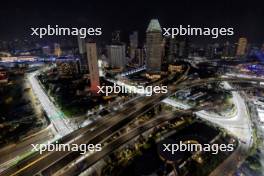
55 115
71 169
105 128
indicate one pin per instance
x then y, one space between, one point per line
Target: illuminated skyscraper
241 46
154 44
93 66
117 55
57 50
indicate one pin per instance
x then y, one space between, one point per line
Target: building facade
116 55
133 39
92 60
154 46
82 53
241 46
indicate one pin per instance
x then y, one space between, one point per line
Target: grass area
19 113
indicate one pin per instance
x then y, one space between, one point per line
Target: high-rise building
117 55
226 49
163 51
229 50
154 44
116 37
184 47
133 39
213 51
57 50
82 53
46 50
241 46
93 66
173 50
140 56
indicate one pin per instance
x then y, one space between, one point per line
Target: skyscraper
154 42
116 36
241 46
82 53
133 39
173 50
93 66
226 49
57 50
46 50
139 56
184 48
117 55
229 50
212 51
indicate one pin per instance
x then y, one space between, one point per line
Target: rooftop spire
154 26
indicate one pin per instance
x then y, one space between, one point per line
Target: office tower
82 53
116 55
140 56
173 49
57 50
133 39
226 49
154 50
184 49
116 37
229 50
163 51
46 50
241 46
213 51
93 66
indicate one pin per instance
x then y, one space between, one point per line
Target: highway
88 161
56 117
17 151
100 133
238 125
105 128
101 123
202 82
241 127
37 162
13 153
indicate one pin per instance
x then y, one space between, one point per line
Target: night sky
247 18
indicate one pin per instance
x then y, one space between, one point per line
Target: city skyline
133 88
